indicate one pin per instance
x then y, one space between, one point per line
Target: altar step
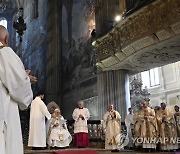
90 151
75 151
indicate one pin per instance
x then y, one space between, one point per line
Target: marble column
53 54
122 6
113 87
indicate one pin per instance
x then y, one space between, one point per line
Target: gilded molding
156 22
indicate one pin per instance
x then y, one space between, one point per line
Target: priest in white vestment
37 127
15 90
81 116
112 122
129 125
58 134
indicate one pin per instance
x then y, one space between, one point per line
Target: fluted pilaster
53 55
113 87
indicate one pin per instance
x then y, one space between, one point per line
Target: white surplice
129 123
37 129
15 90
80 125
58 136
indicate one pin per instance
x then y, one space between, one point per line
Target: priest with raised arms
112 122
145 127
15 91
167 128
81 116
37 127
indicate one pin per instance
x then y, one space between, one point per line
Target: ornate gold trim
157 21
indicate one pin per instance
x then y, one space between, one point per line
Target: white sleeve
87 114
118 116
105 119
45 111
127 122
48 123
14 78
62 118
75 115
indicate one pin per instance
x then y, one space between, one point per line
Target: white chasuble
112 129
58 134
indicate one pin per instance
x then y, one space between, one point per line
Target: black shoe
138 148
116 150
37 148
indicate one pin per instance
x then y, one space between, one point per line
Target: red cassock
81 139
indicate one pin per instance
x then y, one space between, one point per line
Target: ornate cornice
151 24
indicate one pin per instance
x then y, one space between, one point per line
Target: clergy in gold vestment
112 122
145 127
157 112
167 128
138 119
177 119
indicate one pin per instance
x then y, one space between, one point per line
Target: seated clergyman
58 134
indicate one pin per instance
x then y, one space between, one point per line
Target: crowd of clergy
54 131
147 128
154 129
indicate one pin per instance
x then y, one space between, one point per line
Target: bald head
110 107
80 104
3 35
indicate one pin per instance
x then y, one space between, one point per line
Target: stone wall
33 51
34 41
42 45
106 10
169 89
79 80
